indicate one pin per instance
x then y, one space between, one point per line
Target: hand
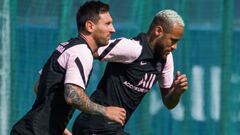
67 132
181 83
116 114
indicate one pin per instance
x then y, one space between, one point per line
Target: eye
174 41
108 23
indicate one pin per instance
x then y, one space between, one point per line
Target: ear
158 31
90 26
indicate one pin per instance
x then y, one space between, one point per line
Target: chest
143 73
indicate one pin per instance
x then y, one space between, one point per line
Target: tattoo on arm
75 96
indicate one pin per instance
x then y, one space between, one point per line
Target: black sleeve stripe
80 67
89 77
108 49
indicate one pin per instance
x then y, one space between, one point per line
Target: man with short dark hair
65 76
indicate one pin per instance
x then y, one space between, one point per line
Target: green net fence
208 54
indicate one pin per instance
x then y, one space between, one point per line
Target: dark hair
90 11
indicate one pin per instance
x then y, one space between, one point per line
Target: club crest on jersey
147 81
159 66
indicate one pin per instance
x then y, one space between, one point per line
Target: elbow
169 105
68 101
71 95
170 102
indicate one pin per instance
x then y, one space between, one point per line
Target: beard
102 42
160 53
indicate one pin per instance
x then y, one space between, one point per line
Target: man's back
50 110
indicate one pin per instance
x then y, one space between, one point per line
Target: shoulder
120 50
169 58
79 50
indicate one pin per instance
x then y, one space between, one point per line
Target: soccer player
65 76
147 60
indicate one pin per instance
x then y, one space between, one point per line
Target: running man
65 76
147 59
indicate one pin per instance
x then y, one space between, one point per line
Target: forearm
171 96
76 97
171 99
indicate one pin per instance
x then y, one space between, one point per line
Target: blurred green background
208 53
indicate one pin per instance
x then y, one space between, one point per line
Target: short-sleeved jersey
71 62
126 81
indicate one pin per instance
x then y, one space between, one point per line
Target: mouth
109 37
167 52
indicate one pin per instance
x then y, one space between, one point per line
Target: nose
112 29
174 46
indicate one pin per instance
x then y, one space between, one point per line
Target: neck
150 40
90 41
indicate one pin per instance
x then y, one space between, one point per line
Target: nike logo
110 122
143 63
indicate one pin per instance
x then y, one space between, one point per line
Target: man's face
103 29
168 41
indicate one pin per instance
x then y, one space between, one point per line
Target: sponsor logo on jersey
131 86
144 84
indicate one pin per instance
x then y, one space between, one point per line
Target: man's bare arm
171 96
75 96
